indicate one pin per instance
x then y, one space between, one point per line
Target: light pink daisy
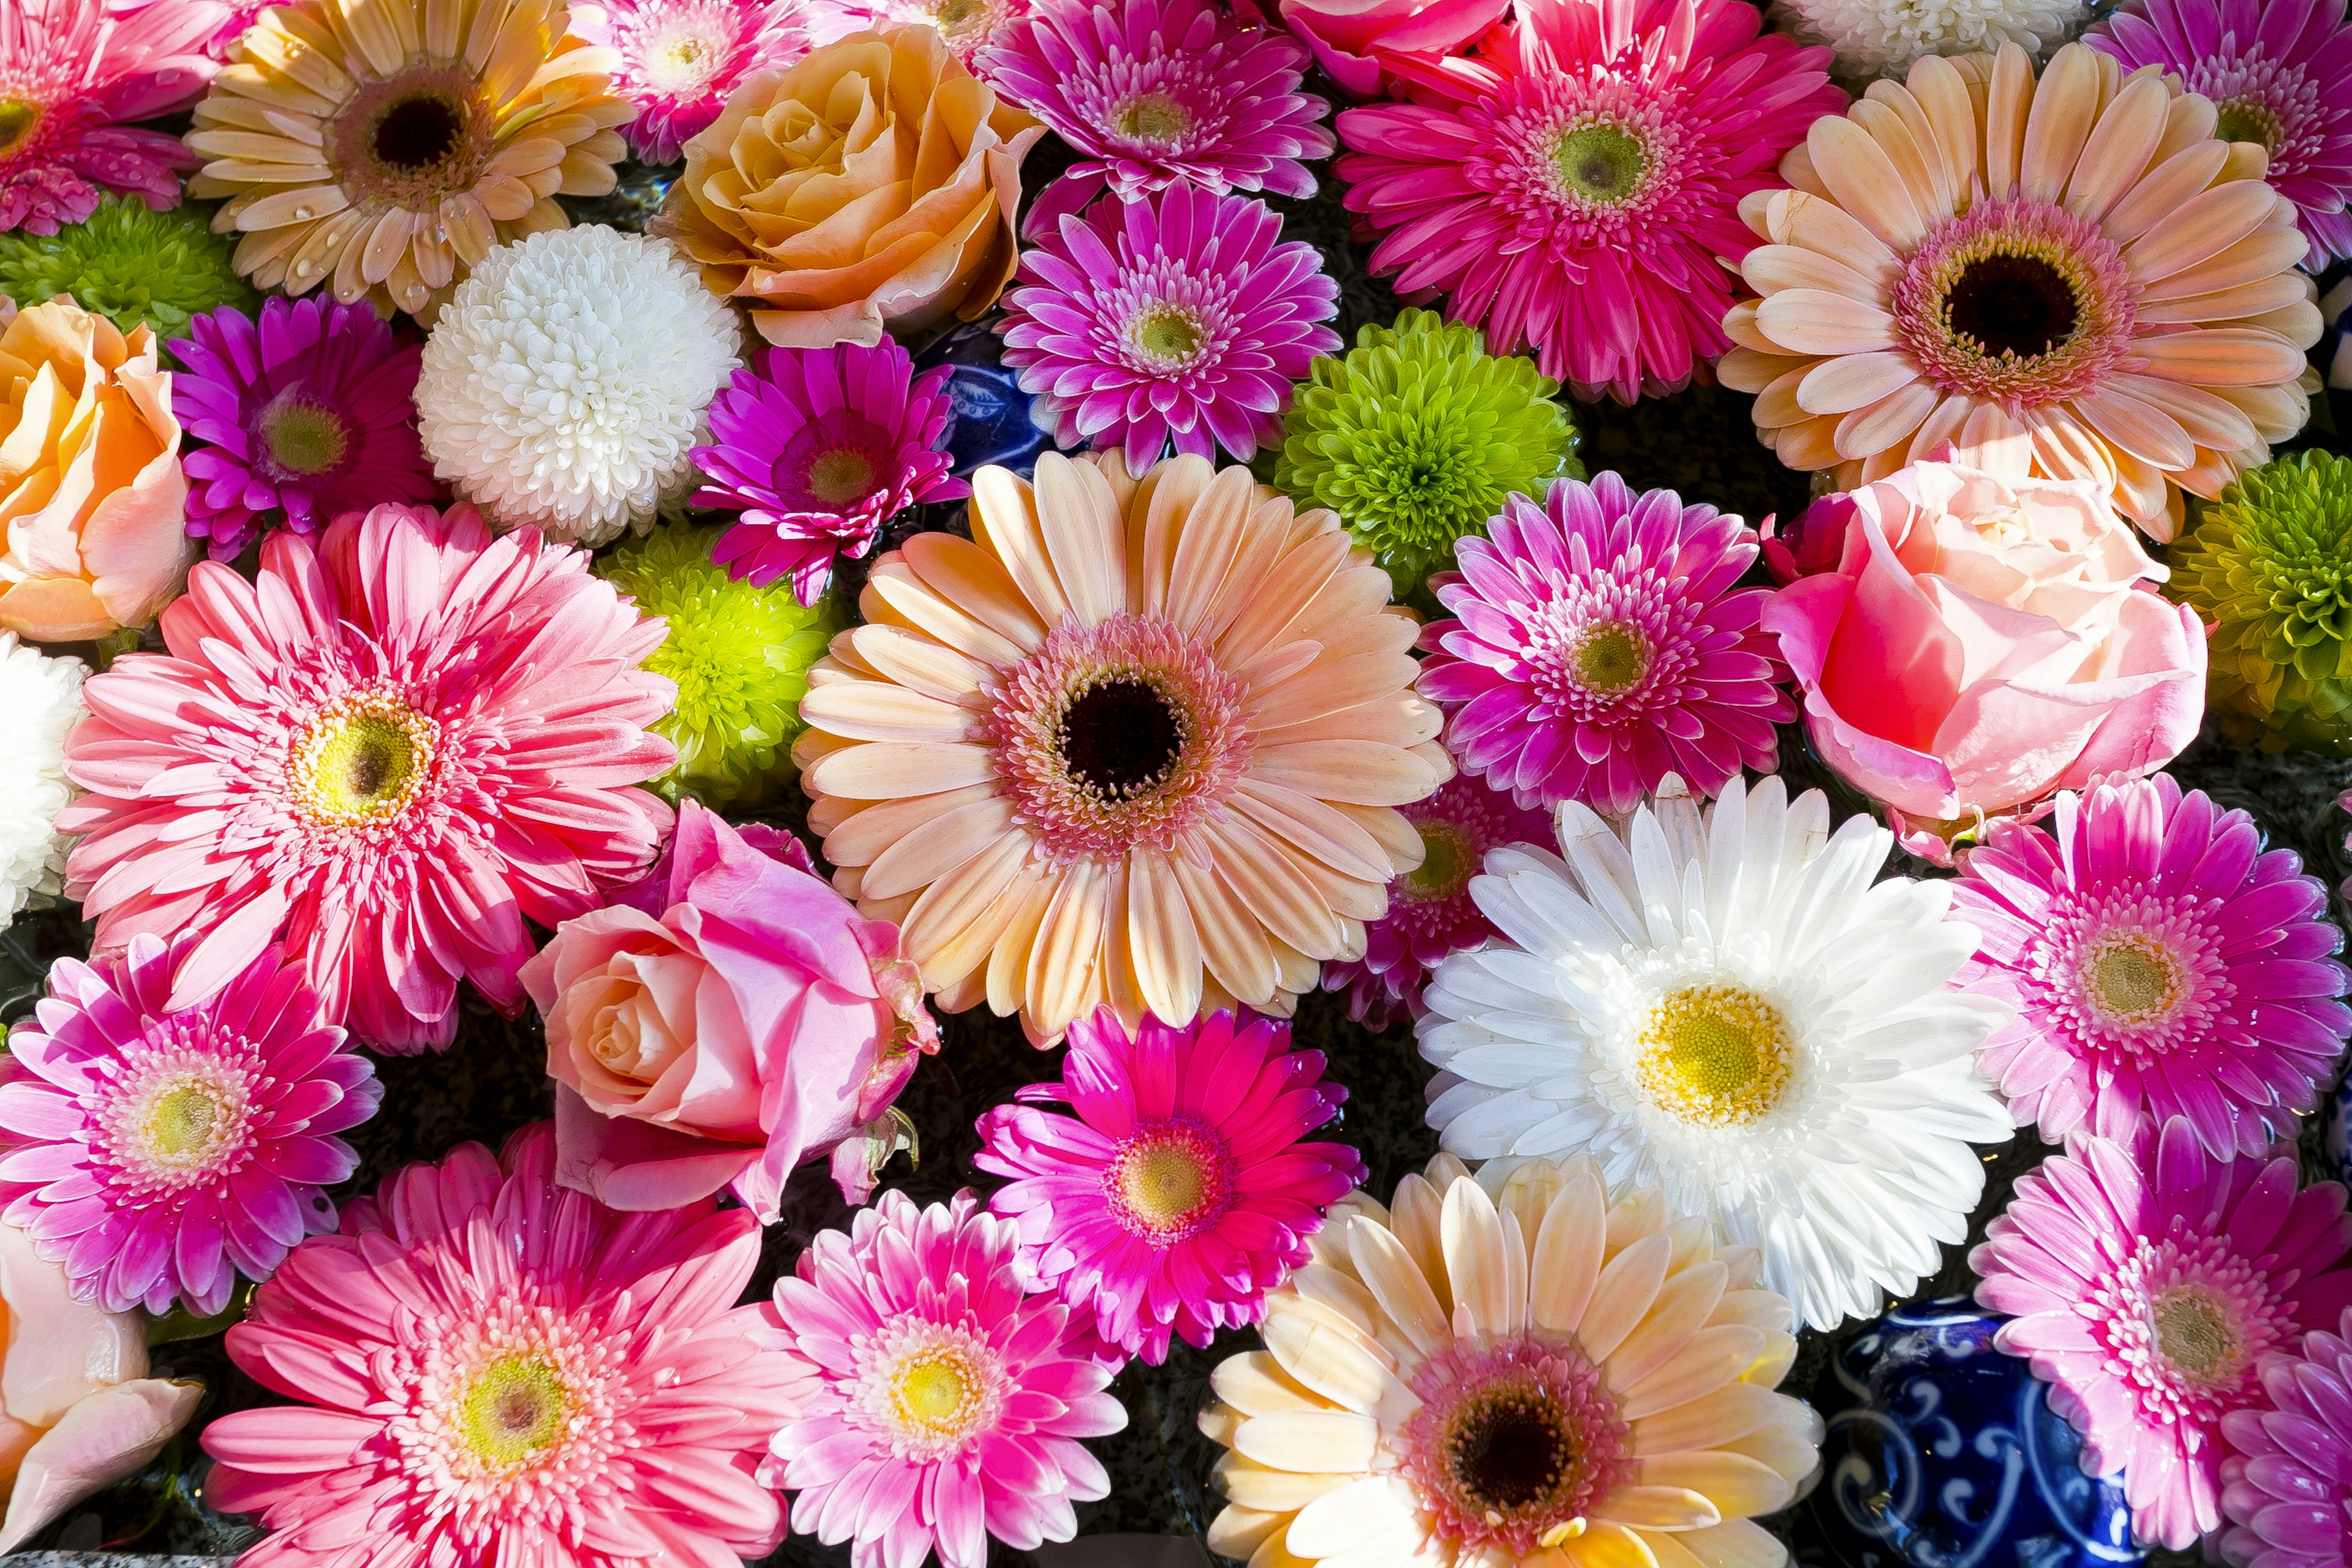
1601 645
2287 1489
1180 1193
1576 185
2147 1281
172 1128
967 26
2160 964
489 1371
402 742
681 58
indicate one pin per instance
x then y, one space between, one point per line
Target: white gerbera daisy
565 383
1731 1008
1875 37
41 695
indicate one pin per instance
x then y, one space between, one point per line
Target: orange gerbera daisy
1136 742
2069 277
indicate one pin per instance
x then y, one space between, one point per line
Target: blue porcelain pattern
2335 1136
989 420
1943 1453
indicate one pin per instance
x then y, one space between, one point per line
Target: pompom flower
934 1403
407 741
305 413
485 1368
2160 964
42 697
967 26
2065 278
1876 38
1518 1368
1180 1191
2288 1483
1734 1008
679 59
2147 1281
565 383
129 264
1135 742
1576 185
1181 318
173 1123
1601 645
1417 436
815 449
1153 93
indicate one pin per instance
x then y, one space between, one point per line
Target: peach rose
873 184
90 489
1985 641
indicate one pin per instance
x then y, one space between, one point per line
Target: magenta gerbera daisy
935 1402
307 413
1179 318
1576 185
1179 1192
2280 72
2160 964
406 742
681 58
490 1370
2147 1281
1154 92
1601 645
817 448
171 1127
2287 1485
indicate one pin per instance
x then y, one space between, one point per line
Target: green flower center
841 476
1154 117
1446 862
18 117
2193 1332
1599 163
2245 120
1166 337
953 14
514 1411
302 438
1611 657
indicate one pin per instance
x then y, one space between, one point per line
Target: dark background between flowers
1700 442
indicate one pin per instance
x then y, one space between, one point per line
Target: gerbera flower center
1120 737
18 117
360 760
180 1109
1167 337
1717 1056
2132 980
2247 119
1169 1181
841 476
2193 1332
182 1122
1599 163
685 61
302 438
2186 1319
412 139
1448 860
2131 972
1609 658
513 1410
929 1388
1154 117
1513 1445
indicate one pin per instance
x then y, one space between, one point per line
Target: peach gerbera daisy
1136 742
2069 278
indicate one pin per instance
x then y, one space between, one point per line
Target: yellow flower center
362 760
513 1411
935 1391
1611 657
1153 117
2194 1334
181 1122
1599 163
2131 980
952 15
683 64
841 476
18 117
1716 1056
1164 1184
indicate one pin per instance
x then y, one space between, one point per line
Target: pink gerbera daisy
680 59
2288 1484
935 1405
1602 646
1178 318
490 1370
1576 185
406 740
2147 1281
1180 1193
2159 965
171 1126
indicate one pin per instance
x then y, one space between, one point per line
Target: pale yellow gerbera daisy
1512 1370
1136 742
382 147
2068 277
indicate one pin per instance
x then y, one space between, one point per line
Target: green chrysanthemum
2270 566
740 656
129 265
1417 436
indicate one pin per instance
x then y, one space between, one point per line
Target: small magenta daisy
1177 318
2288 1482
680 59
2159 963
1180 1193
1601 646
171 1126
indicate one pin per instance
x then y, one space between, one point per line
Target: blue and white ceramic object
990 420
2336 1135
1943 1453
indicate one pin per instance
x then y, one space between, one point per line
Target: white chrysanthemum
1882 37
1731 1008
41 695
565 383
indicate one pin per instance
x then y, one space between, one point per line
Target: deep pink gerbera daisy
1180 1193
1601 646
490 1370
818 449
681 58
1154 92
404 741
310 412
2147 1281
1178 318
2160 964
171 1127
1431 912
1576 185
2279 71
935 1402
2287 1484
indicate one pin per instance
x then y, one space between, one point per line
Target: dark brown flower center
418 132
2019 305
1120 737
1510 1452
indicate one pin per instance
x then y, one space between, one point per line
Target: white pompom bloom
41 695
1730 1006
1882 37
565 383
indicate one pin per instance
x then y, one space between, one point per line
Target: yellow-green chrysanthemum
129 265
740 656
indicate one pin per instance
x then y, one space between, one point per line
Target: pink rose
726 1019
1985 641
1348 37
